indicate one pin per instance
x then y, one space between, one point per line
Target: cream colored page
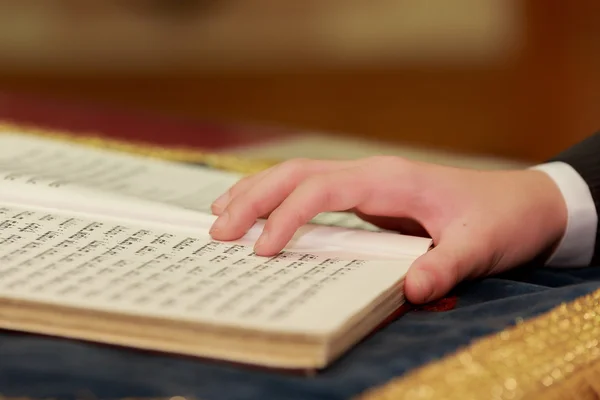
108 265
43 162
59 164
94 204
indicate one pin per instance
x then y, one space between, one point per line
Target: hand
481 222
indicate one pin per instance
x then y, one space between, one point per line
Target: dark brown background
528 107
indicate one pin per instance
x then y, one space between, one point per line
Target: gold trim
539 358
584 384
179 154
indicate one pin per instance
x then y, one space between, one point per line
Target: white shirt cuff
576 247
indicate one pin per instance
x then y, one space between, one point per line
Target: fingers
334 191
436 272
257 196
219 205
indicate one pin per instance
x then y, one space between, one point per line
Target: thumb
436 272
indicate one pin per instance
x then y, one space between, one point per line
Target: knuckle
294 170
317 184
298 218
240 185
242 208
455 270
404 175
322 190
447 276
295 165
255 207
286 217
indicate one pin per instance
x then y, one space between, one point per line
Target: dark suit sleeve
584 157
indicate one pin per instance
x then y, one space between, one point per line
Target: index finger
334 191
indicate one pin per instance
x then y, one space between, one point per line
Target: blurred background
499 81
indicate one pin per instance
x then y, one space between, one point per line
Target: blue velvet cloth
48 367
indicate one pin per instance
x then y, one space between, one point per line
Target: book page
94 204
49 163
38 161
106 264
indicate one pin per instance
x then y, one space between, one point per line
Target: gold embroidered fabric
220 161
551 357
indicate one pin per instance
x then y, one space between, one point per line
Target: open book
114 248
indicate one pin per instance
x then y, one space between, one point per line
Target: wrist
577 241
553 209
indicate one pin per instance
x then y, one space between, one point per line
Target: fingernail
262 240
220 223
220 202
423 281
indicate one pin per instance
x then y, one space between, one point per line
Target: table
517 354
